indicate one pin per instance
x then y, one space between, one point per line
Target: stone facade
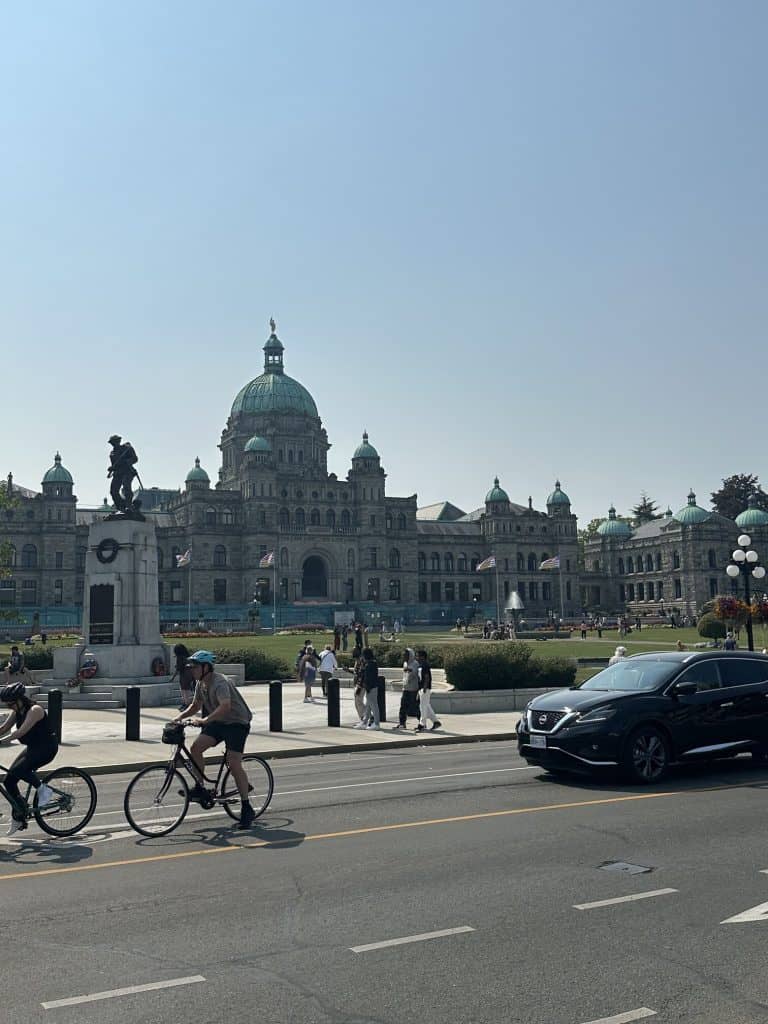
339 541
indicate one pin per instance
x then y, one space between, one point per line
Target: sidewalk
95 740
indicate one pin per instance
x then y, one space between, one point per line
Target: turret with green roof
197 478
692 514
613 527
753 516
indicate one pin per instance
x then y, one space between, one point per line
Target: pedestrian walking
344 636
358 688
730 642
185 675
409 701
365 635
359 636
425 694
328 665
336 639
371 684
308 672
583 628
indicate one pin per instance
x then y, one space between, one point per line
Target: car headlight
596 715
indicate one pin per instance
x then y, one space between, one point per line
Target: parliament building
344 543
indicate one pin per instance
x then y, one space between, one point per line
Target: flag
185 559
487 563
267 561
551 563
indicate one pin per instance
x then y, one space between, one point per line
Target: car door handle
727 704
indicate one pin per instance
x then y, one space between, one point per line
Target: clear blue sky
515 239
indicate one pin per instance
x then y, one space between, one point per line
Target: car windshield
632 676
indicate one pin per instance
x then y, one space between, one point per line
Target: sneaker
396 727
360 725
420 728
199 794
45 796
307 700
373 726
247 817
436 725
15 826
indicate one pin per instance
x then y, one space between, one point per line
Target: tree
735 494
646 510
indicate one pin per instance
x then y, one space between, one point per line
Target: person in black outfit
33 730
185 674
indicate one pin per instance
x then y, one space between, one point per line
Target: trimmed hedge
40 658
258 665
711 627
505 666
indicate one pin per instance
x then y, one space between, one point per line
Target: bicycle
157 798
70 810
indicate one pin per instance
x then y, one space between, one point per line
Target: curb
330 748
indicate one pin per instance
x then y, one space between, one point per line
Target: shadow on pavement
270 830
44 851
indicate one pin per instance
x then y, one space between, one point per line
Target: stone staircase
91 697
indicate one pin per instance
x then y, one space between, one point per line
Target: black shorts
234 734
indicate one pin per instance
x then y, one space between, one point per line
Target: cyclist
227 718
33 730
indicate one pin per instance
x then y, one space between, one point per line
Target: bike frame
182 758
27 809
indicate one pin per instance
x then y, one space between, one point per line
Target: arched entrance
314 578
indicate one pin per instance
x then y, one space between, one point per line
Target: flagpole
498 614
274 598
189 597
560 567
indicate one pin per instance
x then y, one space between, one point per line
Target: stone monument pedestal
121 615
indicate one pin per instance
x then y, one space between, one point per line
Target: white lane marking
623 899
115 992
625 1018
758 913
411 938
393 782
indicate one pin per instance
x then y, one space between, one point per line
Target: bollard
382 695
133 713
275 706
334 703
54 712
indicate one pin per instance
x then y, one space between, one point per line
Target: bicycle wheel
156 801
73 804
262 787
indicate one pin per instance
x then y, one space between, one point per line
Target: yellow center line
273 843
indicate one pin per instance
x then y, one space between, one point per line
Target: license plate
538 741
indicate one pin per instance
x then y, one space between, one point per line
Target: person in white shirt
328 665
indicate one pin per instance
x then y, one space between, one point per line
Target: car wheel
646 757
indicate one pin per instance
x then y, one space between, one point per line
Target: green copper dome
365 450
558 497
198 474
496 493
258 444
613 527
692 514
274 391
752 516
57 474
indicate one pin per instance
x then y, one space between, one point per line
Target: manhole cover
624 868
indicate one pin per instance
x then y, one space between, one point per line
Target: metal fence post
334 703
54 712
133 713
276 706
382 697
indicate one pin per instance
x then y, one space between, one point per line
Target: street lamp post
745 561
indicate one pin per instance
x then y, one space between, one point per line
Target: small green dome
613 527
198 474
752 516
692 514
558 497
258 444
105 507
496 493
365 450
57 474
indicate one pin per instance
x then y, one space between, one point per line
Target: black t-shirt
40 735
371 675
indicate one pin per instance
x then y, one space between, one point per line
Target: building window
450 591
284 558
649 563
220 591
401 525
713 588
175 552
675 559
219 556
394 590
435 562
29 557
449 562
394 559
330 519
533 591
373 589
640 591
622 593
175 592
658 562
372 558
678 588
712 558
630 564
159 591
422 592
58 591
422 562
461 562
631 592
314 517
59 560
531 562
373 522
7 592
520 562
546 591
284 519
345 518
388 521
474 562
300 519
29 592
620 567
80 568
227 517
210 517
660 590
568 590
434 592
464 591
596 565
350 558
567 565
650 591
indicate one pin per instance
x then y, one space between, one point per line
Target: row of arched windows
445 563
315 519
216 517
652 563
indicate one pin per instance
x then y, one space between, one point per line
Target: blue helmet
202 658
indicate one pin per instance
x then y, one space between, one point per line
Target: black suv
645 712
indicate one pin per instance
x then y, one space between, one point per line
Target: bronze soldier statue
122 461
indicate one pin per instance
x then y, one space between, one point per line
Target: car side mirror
685 689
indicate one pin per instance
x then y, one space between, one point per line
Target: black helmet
11 693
